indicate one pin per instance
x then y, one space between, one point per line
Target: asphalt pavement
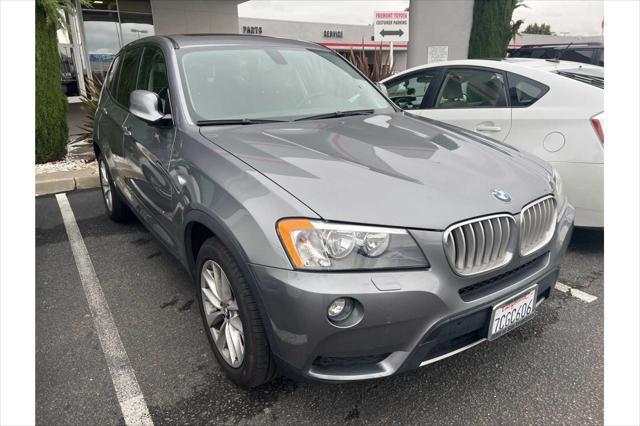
548 371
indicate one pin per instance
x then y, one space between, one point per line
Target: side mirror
383 88
144 105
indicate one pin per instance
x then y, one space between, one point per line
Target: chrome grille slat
489 244
537 224
480 245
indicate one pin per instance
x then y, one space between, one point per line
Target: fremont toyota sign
391 26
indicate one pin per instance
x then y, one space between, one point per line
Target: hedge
51 103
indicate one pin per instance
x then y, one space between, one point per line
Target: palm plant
90 102
376 71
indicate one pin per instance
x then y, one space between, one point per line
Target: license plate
513 312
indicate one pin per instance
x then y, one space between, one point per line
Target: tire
257 365
117 210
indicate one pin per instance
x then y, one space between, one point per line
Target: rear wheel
117 210
231 319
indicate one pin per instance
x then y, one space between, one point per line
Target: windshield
273 83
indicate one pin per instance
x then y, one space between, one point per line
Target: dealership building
438 30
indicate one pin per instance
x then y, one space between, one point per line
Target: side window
153 76
127 79
578 55
472 88
408 92
112 79
523 91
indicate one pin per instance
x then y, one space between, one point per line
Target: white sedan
552 109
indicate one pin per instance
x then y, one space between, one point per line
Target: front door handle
105 111
486 128
126 131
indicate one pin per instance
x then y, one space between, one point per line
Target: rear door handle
126 131
485 128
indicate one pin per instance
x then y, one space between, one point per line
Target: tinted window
578 55
472 88
153 76
408 92
112 79
523 91
127 80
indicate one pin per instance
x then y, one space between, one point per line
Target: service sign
391 26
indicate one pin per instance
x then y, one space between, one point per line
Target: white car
552 109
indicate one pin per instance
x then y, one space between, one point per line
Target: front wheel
231 318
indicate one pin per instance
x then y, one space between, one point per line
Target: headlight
558 189
317 245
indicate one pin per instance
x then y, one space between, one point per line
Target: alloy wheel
222 313
106 186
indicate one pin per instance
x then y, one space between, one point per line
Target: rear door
473 98
109 118
148 148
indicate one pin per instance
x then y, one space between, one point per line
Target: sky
577 17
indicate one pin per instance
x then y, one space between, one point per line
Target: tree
538 29
51 104
492 27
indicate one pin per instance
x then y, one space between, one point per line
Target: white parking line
134 409
579 294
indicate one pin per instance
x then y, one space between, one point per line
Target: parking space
550 370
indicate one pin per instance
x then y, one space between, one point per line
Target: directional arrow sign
385 33
391 26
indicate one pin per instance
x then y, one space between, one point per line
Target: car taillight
598 125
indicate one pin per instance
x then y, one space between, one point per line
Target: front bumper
429 314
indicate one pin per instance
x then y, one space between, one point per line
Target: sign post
389 27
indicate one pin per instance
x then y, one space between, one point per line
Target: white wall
439 23
195 16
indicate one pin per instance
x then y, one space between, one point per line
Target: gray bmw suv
331 236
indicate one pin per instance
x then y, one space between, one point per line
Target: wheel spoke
238 345
220 338
228 333
236 323
225 288
211 298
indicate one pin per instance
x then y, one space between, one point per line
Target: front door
148 148
474 99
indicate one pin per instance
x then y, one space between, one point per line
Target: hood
391 169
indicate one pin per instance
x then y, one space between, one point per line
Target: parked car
587 53
329 234
552 109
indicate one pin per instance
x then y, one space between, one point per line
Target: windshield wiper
241 121
336 114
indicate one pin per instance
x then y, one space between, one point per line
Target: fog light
340 309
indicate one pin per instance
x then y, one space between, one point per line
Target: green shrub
51 103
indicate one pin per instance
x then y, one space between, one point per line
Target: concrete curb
54 182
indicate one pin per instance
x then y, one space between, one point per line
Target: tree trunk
491 29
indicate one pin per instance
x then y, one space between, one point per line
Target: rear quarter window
524 91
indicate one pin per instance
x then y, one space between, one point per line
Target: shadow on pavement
587 241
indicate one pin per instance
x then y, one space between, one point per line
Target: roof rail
572 43
173 42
